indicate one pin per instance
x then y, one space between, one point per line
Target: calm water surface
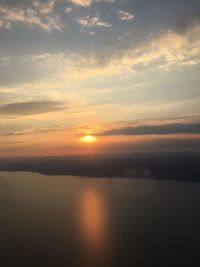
97 222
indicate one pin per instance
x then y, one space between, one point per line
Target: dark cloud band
32 107
193 128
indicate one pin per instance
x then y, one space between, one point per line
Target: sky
124 71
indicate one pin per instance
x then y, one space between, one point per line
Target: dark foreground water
87 222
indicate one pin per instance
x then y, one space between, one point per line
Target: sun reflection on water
93 224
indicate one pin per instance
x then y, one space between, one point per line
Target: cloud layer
32 107
165 129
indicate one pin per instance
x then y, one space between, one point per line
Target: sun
88 139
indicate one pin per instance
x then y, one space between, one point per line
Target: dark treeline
170 166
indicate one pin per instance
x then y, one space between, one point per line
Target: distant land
163 166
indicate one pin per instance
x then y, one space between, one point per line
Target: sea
68 221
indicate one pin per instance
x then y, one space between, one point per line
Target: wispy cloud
123 15
87 3
168 49
84 3
89 22
37 14
44 7
68 9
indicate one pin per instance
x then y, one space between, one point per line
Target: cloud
92 22
167 50
44 7
84 3
123 15
45 67
18 70
32 132
68 9
38 14
30 108
174 128
87 3
107 1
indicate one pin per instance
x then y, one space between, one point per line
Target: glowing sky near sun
88 139
123 72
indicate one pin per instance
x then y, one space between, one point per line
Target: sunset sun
88 139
